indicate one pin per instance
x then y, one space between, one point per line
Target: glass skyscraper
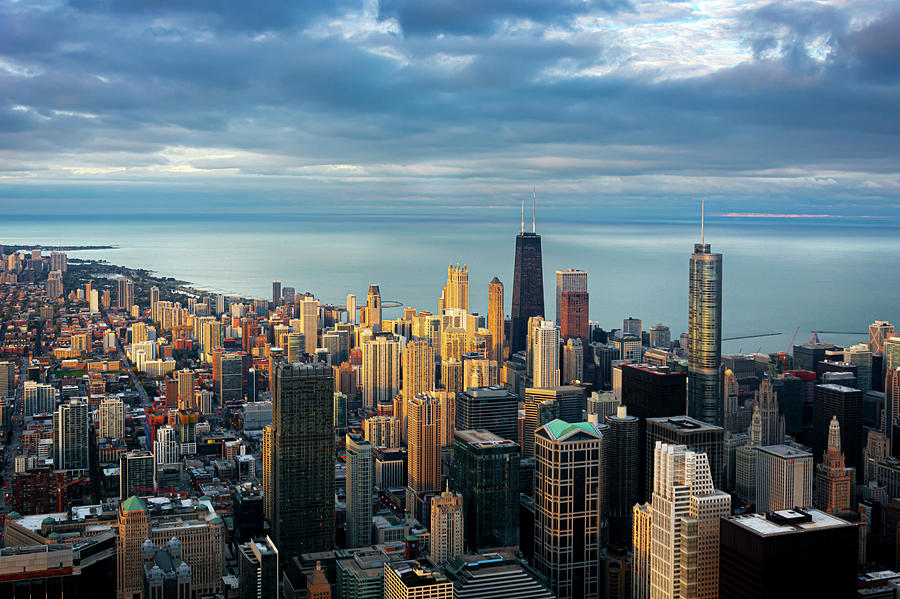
705 336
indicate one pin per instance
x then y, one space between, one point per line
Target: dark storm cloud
449 102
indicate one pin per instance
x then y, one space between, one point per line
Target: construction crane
815 337
794 338
63 487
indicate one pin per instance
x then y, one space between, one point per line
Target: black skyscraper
528 284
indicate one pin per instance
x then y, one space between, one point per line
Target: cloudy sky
404 105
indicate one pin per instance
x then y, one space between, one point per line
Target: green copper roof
133 504
560 428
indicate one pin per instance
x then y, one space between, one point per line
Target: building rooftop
560 429
839 388
785 522
684 423
484 438
786 451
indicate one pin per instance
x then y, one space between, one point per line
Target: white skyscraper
309 315
166 447
360 480
685 512
546 355
446 527
569 280
351 309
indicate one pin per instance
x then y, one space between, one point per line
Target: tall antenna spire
702 217
523 215
533 202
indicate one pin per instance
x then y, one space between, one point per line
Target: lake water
779 274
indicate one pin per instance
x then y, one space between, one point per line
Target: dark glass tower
303 481
705 335
528 284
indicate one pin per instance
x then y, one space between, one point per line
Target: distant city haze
822 274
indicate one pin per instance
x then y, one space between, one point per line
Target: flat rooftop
761 525
684 423
786 451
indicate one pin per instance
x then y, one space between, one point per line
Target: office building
569 397
632 326
641 543
622 466
276 292
835 483
360 483
861 356
309 317
574 318
573 361
784 478
352 313
425 421
705 335
456 291
417 579
303 458
569 508
685 513
486 474
660 336
538 412
496 319
697 436
790 553
847 404
258 568
878 332
70 436
230 379
446 540
571 280
294 345
380 369
767 416
652 391
528 285
372 311
491 408
546 355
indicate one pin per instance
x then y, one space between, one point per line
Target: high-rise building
495 575
685 513
767 416
258 569
834 481
731 394
546 355
641 542
112 418
185 386
573 361
373 309
59 261
622 465
878 332
383 431
574 316
486 474
491 408
295 345
130 536
418 579
303 458
54 284
165 446
791 553
137 474
660 336
425 422
538 412
847 404
784 478
70 436
569 397
569 507
571 280
456 291
528 285
380 369
705 335
360 482
418 370
632 326
276 292
351 309
40 398
309 317
861 356
697 436
268 473
496 318
446 540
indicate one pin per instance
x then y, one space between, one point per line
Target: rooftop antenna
533 202
523 216
702 217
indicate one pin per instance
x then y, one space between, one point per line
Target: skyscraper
496 318
268 473
622 463
569 280
574 316
456 291
418 369
373 309
425 420
360 481
834 481
784 478
492 408
546 355
229 382
486 474
309 316
705 334
878 332
446 542
380 369
303 458
685 513
569 510
770 420
351 309
847 404
528 284
641 542
276 292
695 435
137 474
70 436
112 419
